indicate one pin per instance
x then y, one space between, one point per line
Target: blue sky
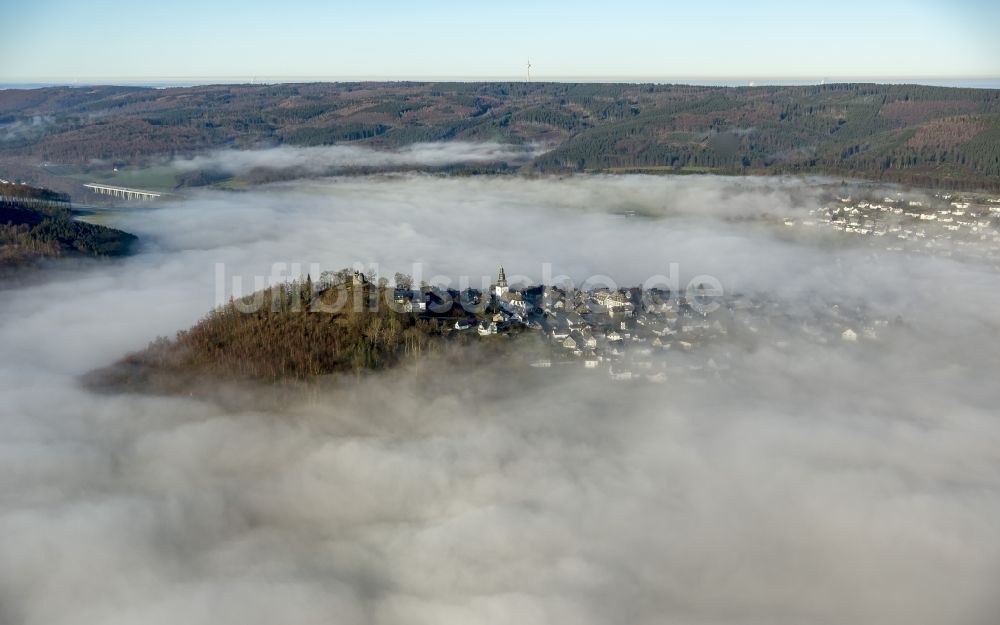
108 39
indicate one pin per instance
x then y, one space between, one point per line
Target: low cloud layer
26 128
812 484
332 158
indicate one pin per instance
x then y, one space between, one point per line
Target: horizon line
505 77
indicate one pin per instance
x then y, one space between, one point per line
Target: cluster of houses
633 334
945 225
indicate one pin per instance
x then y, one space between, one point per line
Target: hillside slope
38 223
907 133
287 332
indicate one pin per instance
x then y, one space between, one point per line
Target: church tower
501 286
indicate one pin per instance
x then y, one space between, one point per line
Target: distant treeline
28 195
907 133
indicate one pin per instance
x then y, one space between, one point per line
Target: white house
417 304
514 301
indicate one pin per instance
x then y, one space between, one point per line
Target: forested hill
38 223
917 134
287 332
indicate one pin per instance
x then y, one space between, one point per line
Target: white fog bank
331 158
813 484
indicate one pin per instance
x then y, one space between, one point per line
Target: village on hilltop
654 334
630 333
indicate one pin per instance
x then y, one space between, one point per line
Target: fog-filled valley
788 481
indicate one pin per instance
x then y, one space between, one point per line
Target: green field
155 178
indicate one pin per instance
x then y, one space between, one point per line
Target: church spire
501 286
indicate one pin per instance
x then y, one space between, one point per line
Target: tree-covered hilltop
930 136
292 331
36 223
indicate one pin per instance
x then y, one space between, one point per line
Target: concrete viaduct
122 192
